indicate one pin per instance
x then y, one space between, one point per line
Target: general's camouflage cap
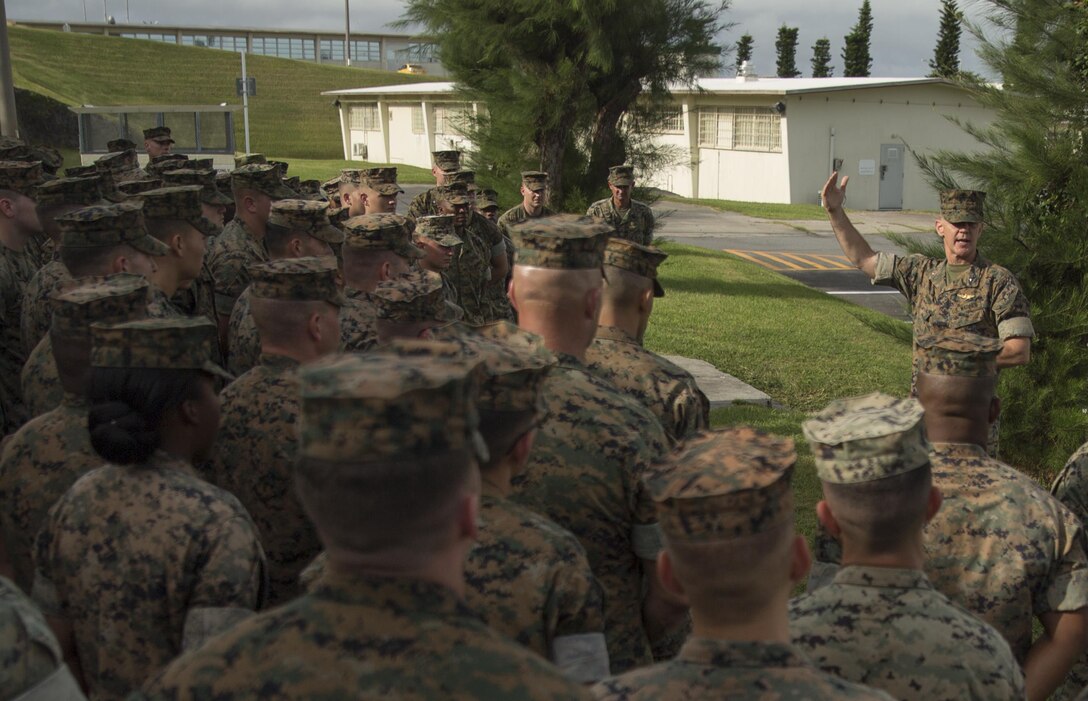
133 188
725 484
108 300
122 166
70 191
262 178
351 176
177 343
181 203
959 206
308 279
250 159
21 176
560 243
534 180
447 161
637 259
486 199
168 161
209 193
160 134
81 171
864 439
381 232
958 353
108 225
305 217
383 406
454 193
438 229
621 175
413 297
118 145
382 180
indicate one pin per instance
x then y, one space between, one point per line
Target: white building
746 138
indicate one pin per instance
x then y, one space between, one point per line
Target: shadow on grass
899 330
742 289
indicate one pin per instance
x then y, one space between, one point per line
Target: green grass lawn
760 210
310 168
288 116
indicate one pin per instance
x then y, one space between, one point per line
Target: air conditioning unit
359 151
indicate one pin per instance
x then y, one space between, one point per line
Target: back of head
286 293
630 269
957 376
294 218
557 259
92 237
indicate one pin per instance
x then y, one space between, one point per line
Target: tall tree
1030 162
946 55
821 59
744 50
786 48
856 56
558 77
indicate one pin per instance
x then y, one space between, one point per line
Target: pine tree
744 50
821 59
856 57
1030 162
946 55
786 48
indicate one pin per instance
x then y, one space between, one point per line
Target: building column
428 130
383 120
691 131
345 132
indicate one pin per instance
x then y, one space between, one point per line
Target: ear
646 301
385 271
189 413
119 264
934 504
313 327
938 226
667 576
511 295
249 203
177 244
7 207
995 408
827 519
802 559
519 452
468 517
295 247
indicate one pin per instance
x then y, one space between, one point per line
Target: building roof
719 86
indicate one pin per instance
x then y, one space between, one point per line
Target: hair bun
120 434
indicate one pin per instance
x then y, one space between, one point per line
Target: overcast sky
904 33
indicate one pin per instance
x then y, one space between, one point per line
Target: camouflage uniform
440 230
1071 489
534 180
470 272
884 626
32 666
359 635
636 223
425 204
586 466
417 296
255 448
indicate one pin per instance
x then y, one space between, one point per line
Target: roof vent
745 74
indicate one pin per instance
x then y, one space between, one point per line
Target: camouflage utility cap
464 177
21 176
560 243
81 171
447 161
308 279
960 206
200 164
534 180
250 159
107 225
134 188
382 180
384 406
70 191
177 343
439 229
167 162
413 297
121 166
486 199
160 134
205 178
514 375
381 232
958 353
864 439
637 259
351 176
294 182
621 175
281 166
311 189
223 182
263 178
181 203
118 145
453 193
109 300
724 484
331 188
305 217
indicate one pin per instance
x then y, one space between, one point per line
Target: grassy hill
288 116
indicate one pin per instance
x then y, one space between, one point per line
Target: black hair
127 406
277 237
84 262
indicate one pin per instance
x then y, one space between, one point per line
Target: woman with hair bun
141 560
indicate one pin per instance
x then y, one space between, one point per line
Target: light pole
9 119
347 33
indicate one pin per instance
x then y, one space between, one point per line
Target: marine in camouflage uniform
470 273
144 561
425 204
16 269
32 666
435 236
411 305
881 622
533 182
306 220
255 448
1071 488
716 496
586 466
358 634
50 452
617 355
635 222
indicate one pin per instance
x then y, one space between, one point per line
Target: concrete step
720 388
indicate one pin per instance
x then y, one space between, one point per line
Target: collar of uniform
393 594
615 333
883 577
71 400
732 653
163 460
566 360
959 450
355 293
970 278
277 362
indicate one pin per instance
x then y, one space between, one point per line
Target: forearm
499 268
852 243
1049 660
1014 352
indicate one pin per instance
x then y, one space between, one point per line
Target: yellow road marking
783 261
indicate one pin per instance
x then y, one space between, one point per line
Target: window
366 51
417 120
670 120
332 50
211 41
365 117
740 128
417 53
450 119
285 47
152 36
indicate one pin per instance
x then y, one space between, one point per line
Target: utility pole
105 13
245 100
347 33
128 15
9 119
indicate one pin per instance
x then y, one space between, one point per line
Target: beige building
746 138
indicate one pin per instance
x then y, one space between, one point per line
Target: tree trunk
606 148
553 147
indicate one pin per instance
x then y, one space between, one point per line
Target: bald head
881 516
958 409
563 306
